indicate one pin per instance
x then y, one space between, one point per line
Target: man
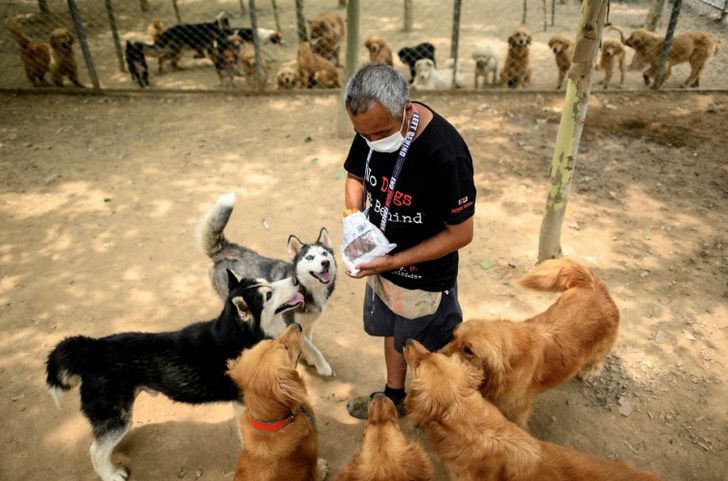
415 173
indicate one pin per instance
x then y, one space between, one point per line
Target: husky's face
315 263
258 301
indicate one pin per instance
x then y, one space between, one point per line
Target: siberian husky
189 365
313 265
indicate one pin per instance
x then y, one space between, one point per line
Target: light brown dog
248 62
314 70
278 427
39 58
327 32
522 359
563 48
287 78
477 443
692 47
155 31
385 453
612 52
379 51
516 70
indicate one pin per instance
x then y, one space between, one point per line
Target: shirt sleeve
457 189
357 157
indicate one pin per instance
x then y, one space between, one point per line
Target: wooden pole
724 12
667 43
573 114
455 42
525 12
408 15
654 14
259 71
553 12
343 124
242 7
115 35
81 34
301 22
275 15
545 16
176 11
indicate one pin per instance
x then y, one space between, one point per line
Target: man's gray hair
376 82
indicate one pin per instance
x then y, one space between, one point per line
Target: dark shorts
433 331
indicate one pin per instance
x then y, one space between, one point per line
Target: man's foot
359 407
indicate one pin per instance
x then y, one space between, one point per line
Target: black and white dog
199 37
137 63
410 56
313 265
188 365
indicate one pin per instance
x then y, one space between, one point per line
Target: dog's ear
294 246
324 238
244 311
289 386
512 40
421 406
528 39
233 280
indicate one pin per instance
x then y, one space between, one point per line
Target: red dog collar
271 426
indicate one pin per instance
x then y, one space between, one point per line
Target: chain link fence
301 44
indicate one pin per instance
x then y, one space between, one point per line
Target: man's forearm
353 192
452 238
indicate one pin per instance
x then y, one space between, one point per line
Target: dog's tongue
324 277
296 299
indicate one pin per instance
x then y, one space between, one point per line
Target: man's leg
396 370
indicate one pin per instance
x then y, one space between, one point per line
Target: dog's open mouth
293 302
324 277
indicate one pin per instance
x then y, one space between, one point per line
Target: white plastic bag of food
362 241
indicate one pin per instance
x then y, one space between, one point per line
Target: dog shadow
172 449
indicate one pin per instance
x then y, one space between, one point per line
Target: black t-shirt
435 187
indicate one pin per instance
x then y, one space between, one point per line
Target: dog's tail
12 24
616 29
558 275
65 364
209 231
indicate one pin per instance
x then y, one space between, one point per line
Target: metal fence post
301 22
81 33
115 34
455 40
667 43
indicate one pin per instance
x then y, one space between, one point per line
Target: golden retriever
39 58
287 78
379 51
477 443
516 70
314 70
326 33
385 453
692 47
563 48
522 359
612 52
278 428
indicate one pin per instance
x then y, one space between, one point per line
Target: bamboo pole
455 43
343 124
576 102
115 35
667 43
81 34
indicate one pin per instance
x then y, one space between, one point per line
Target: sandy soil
99 196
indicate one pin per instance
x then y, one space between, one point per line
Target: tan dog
692 47
39 58
327 32
385 453
516 70
278 427
522 359
563 48
287 78
155 31
379 51
314 70
612 52
477 443
247 60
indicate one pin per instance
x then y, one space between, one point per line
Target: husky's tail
209 231
66 363
12 24
558 275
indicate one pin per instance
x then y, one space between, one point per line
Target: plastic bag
362 241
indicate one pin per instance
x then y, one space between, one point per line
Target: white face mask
391 143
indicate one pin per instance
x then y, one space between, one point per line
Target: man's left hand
375 266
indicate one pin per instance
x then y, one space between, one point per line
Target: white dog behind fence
486 63
427 77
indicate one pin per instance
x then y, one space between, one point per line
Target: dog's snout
325 264
297 326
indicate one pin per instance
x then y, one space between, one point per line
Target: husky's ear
243 309
233 280
324 238
294 246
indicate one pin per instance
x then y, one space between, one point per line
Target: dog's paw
322 469
324 369
119 474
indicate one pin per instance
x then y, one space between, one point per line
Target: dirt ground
99 197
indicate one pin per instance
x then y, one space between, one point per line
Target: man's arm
353 192
450 239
